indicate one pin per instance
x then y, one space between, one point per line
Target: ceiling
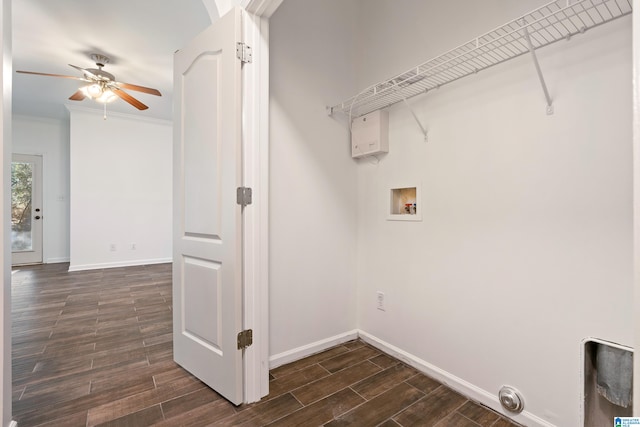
140 37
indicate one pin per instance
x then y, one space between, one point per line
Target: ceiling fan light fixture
92 91
99 93
107 96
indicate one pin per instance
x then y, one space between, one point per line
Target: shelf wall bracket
415 116
532 50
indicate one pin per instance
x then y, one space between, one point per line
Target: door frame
5 212
255 145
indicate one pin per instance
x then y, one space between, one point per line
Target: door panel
201 302
26 209
207 220
200 86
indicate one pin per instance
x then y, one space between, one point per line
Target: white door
207 275
26 209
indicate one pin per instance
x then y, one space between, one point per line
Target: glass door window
26 209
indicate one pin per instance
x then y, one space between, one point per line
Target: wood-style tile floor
95 349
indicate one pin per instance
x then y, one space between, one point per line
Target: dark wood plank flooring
94 348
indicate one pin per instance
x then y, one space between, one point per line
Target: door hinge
244 196
244 53
245 339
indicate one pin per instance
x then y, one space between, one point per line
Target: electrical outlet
380 300
112 247
133 246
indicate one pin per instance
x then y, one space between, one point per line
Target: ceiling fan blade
85 71
130 99
148 90
78 96
52 75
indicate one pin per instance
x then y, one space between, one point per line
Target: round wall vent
511 399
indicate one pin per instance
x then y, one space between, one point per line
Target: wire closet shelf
557 20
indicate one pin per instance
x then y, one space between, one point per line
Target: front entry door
207 275
26 209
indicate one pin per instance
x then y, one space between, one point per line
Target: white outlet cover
380 300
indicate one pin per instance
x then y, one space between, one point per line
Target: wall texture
312 195
525 247
49 138
120 186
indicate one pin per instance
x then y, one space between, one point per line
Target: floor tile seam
368 400
42 379
356 364
102 371
22 394
300 369
432 391
497 414
473 421
314 402
503 417
425 395
386 369
153 403
300 386
287 414
364 399
334 373
348 366
297 372
404 408
35 388
455 411
162 410
391 366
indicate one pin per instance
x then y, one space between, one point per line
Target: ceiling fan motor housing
100 60
102 74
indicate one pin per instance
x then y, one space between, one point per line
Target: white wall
120 186
312 177
525 247
50 139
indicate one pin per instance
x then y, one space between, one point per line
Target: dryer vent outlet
511 399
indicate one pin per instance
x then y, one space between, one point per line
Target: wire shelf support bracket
536 64
415 116
554 21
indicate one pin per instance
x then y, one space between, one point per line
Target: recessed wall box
370 134
405 203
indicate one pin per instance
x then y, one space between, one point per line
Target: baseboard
458 384
130 263
309 349
56 260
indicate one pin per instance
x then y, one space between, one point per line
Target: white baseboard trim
309 349
56 260
130 263
458 384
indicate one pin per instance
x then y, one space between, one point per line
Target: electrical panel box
370 134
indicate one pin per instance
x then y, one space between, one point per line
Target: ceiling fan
102 86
